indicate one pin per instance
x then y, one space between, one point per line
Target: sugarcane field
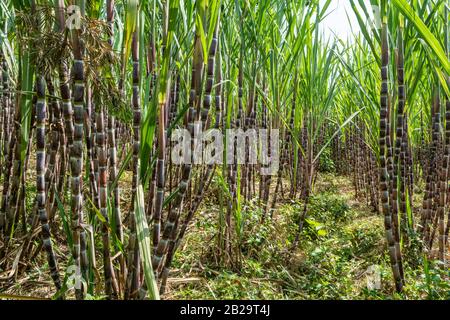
224 150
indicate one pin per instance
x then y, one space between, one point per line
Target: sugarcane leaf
424 31
169 199
347 121
145 248
409 213
27 76
130 27
214 19
365 32
64 219
98 213
122 169
201 32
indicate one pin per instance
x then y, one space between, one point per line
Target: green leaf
130 26
145 247
201 33
426 34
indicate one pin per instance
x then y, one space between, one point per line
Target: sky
337 22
